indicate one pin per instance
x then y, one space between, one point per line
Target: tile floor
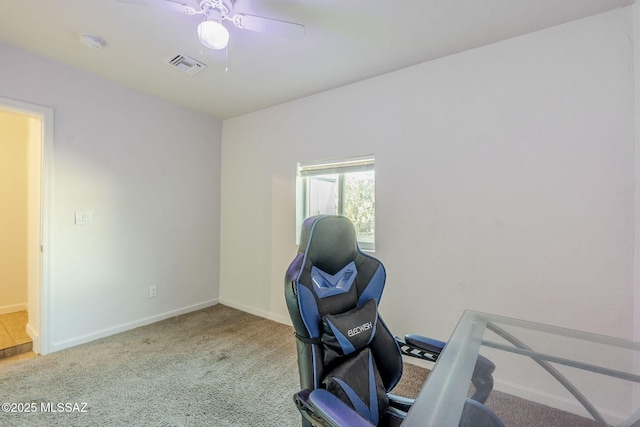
15 344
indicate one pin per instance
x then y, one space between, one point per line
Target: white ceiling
345 41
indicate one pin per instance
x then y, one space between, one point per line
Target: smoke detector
91 41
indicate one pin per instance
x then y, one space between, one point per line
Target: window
339 187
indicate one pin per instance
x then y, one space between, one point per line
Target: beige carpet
215 367
218 367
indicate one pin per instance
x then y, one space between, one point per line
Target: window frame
340 167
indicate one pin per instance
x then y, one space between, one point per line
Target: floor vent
186 64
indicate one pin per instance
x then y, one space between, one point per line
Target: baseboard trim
252 310
6 309
131 325
562 403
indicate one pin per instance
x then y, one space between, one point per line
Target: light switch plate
84 217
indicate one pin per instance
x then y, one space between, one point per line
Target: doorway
39 142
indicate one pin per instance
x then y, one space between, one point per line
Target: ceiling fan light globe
213 35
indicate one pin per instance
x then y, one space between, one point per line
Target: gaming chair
348 360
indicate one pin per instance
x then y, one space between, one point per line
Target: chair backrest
332 291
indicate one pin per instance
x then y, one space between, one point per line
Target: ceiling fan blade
269 26
173 5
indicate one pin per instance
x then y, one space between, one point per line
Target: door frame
40 329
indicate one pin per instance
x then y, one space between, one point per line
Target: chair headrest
329 242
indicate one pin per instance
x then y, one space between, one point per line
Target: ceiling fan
211 31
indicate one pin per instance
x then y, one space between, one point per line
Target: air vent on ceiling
186 64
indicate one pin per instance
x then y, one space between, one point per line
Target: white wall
150 173
505 182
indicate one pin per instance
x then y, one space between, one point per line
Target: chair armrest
427 344
421 347
400 402
335 411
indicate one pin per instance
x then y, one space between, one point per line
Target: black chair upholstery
348 359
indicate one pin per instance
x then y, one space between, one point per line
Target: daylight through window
340 187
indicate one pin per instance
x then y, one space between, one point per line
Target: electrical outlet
153 292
